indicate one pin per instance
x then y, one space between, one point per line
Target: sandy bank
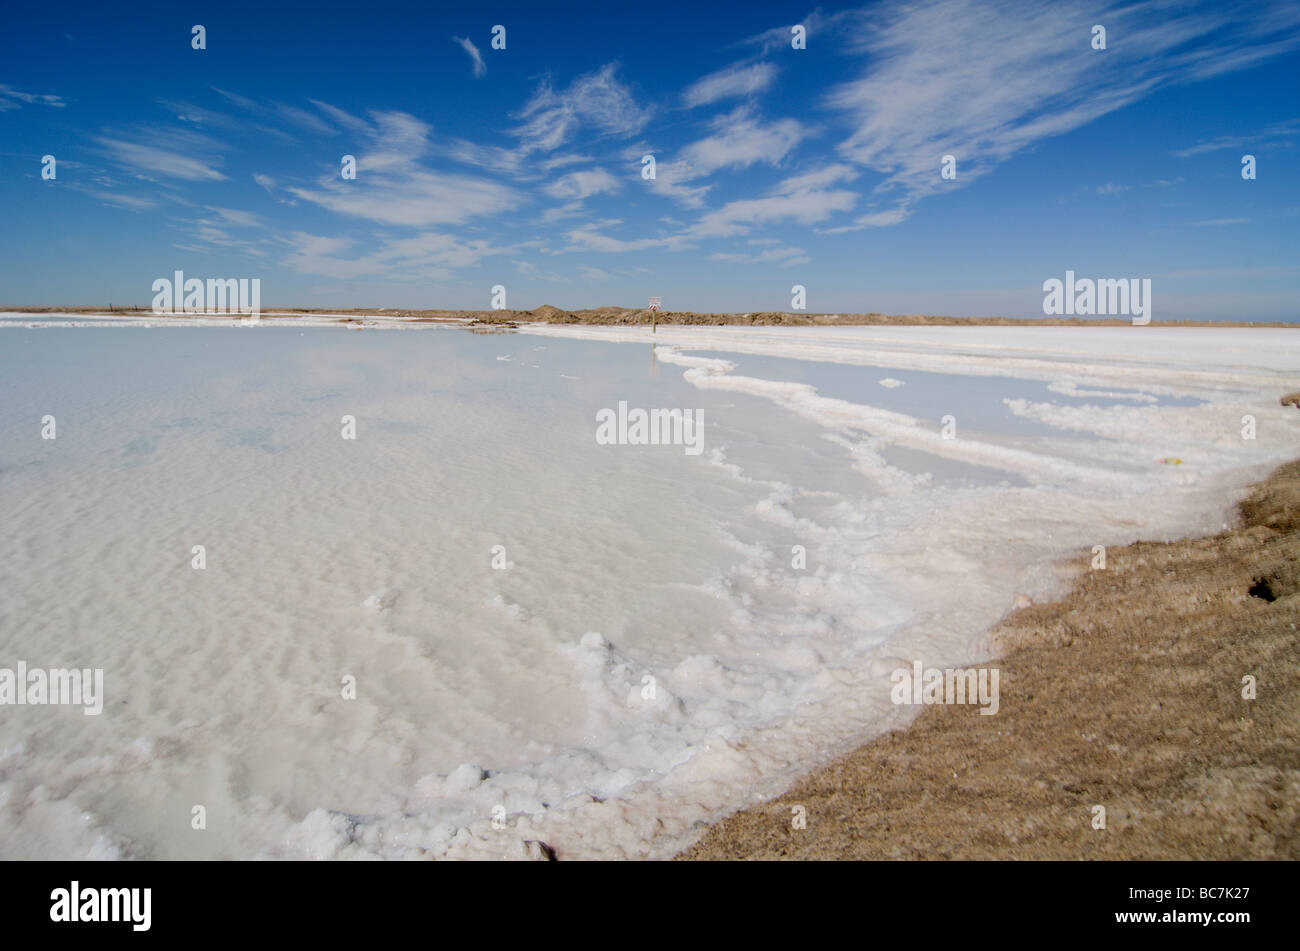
1127 694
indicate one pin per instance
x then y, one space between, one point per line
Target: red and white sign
655 303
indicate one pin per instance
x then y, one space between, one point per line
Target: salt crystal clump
464 777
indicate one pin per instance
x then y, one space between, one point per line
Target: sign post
655 304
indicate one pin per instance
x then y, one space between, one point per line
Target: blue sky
774 166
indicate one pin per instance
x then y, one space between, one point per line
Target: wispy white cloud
531 271
820 178
739 79
225 123
243 102
1280 133
476 58
11 98
393 187
342 119
278 113
177 154
414 198
874 219
773 253
234 216
671 183
822 31
805 199
520 163
514 162
573 209
590 238
599 100
582 184
428 256
121 200
304 119
923 92
396 139
593 237
739 141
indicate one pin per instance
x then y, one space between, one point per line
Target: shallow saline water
645 651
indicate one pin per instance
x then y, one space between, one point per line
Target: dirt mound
598 314
1275 504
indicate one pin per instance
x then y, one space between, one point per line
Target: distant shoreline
615 316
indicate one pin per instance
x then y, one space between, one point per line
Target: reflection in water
654 363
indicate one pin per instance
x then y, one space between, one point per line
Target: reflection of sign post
655 304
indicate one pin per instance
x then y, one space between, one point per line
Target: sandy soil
1127 694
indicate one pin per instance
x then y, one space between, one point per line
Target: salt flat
650 654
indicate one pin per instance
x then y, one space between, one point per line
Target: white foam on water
648 659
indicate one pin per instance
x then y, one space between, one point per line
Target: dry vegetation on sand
1126 694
